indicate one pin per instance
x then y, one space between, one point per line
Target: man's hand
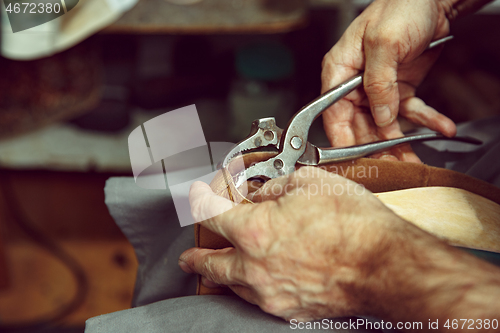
321 246
387 41
297 256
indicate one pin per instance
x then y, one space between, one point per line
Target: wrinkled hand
387 42
308 250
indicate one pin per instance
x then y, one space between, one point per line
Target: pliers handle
292 143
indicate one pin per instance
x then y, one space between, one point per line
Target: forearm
424 280
458 8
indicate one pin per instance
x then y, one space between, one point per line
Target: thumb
380 84
219 266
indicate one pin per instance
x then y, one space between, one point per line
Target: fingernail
388 157
382 115
185 267
187 254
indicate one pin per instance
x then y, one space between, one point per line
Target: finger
335 70
311 179
299 181
404 152
344 60
400 153
287 185
217 215
364 128
271 190
413 72
367 132
205 204
337 121
385 155
380 80
219 266
415 110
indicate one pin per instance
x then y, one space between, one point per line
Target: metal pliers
293 147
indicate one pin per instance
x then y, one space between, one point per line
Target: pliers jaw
263 133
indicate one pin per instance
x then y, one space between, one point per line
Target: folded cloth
480 162
148 219
219 314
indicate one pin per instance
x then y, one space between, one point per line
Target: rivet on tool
296 142
258 141
278 164
268 135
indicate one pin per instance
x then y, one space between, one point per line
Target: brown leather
376 175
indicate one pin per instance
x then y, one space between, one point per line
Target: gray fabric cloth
149 220
205 314
482 162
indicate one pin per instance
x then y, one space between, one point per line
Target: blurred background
72 90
